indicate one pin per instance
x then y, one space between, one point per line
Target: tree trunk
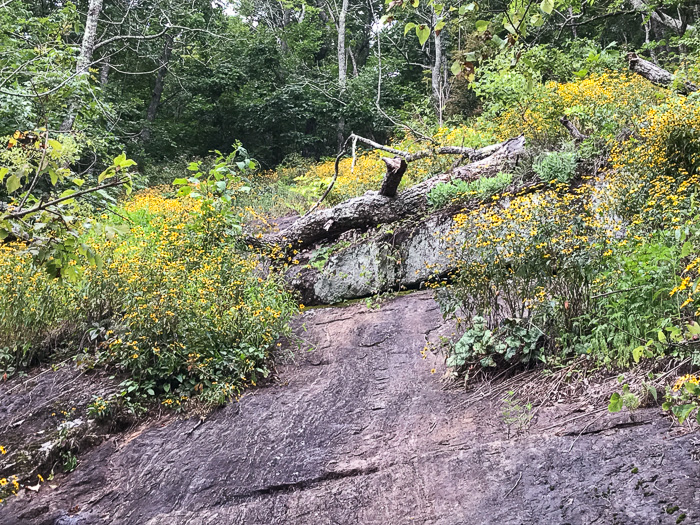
158 88
436 73
84 58
342 65
373 208
104 72
656 74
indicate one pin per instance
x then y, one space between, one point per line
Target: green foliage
683 398
515 414
39 205
557 166
482 189
512 342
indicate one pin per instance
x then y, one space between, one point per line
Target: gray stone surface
357 430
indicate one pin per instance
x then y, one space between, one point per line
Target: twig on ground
514 486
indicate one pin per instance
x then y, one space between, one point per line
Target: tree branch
45 205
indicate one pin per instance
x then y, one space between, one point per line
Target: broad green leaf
692 388
615 404
55 145
118 160
415 3
547 6
179 182
78 182
662 337
193 166
687 248
682 411
694 328
3 172
408 27
13 183
456 68
3 233
637 353
481 25
53 175
422 32
537 20
439 26
106 174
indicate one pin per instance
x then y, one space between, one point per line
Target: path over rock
358 431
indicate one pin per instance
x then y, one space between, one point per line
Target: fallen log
374 208
657 75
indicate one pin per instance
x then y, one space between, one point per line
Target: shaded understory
356 429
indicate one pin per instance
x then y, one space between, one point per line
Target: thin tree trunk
573 26
436 76
158 88
342 65
84 58
104 72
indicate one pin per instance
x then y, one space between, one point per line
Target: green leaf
637 353
13 183
439 26
662 337
53 175
150 392
3 172
694 328
78 182
682 411
408 27
666 406
653 392
166 387
547 6
55 145
422 32
456 68
179 182
481 25
415 3
106 174
118 160
537 20
692 388
687 249
615 404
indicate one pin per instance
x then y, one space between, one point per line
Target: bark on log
573 130
395 168
656 74
372 208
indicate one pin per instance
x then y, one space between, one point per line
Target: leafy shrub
175 304
482 189
511 342
556 166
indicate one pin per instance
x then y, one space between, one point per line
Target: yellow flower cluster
605 100
687 378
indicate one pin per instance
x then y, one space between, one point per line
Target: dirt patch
358 429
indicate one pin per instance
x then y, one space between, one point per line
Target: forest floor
359 428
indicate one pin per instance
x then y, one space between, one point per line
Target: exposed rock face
356 429
404 258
